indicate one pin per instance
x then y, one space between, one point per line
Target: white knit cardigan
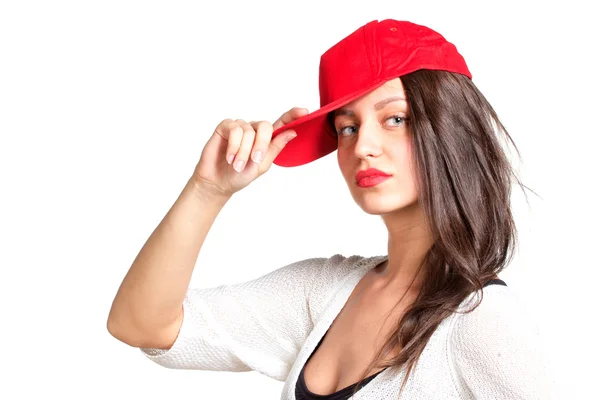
272 324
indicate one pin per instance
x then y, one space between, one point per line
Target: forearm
151 294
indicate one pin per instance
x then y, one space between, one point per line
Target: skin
147 311
372 134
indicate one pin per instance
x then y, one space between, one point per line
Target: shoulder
338 266
310 274
335 269
498 302
501 312
496 349
311 271
333 276
500 317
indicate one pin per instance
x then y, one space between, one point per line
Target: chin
379 204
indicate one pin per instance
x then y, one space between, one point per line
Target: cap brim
312 141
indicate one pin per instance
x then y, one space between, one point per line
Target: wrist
206 192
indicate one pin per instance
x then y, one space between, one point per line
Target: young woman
417 144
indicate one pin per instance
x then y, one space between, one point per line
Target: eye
344 129
397 120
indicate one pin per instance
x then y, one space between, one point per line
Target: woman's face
372 133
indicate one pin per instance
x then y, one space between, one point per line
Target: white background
105 107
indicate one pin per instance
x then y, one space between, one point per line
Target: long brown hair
464 185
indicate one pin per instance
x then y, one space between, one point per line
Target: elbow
125 334
132 336
117 331
123 331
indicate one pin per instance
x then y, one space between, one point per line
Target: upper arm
256 325
497 351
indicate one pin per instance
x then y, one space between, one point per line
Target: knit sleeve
256 325
497 351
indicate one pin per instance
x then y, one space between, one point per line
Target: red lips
370 177
371 172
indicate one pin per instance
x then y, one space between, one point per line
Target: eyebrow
378 106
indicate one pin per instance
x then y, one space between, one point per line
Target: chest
353 340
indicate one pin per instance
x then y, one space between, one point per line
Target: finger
277 144
241 158
264 131
232 132
289 116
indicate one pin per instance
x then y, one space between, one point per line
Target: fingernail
257 157
230 158
290 137
239 166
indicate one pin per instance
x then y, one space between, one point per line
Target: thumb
277 145
289 116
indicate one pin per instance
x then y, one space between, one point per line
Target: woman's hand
238 152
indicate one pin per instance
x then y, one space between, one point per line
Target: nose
368 141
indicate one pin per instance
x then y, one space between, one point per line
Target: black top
303 393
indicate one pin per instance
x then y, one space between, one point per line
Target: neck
408 242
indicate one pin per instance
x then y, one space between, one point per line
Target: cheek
403 154
403 160
344 164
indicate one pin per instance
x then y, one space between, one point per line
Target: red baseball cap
370 56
